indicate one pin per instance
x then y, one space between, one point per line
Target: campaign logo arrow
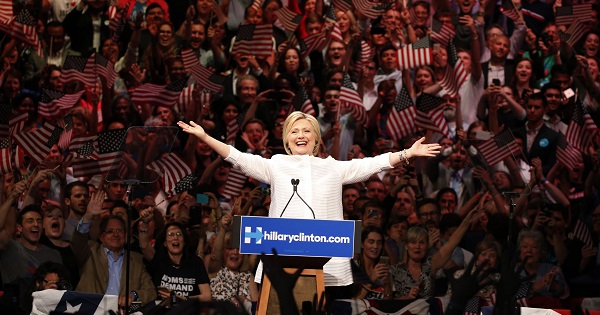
249 235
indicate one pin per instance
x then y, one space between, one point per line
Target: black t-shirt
184 280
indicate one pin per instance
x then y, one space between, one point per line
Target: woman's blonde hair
291 120
415 233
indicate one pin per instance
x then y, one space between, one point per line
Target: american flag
574 33
171 169
118 19
336 33
522 293
342 5
186 183
567 14
106 70
110 146
24 30
5 113
204 77
353 101
367 53
159 95
401 119
233 127
302 102
81 69
254 40
67 124
498 147
55 104
473 306
256 4
6 16
370 9
565 153
221 17
313 42
456 74
5 156
441 33
83 156
82 147
430 114
508 8
288 19
37 143
581 232
17 122
235 181
6 10
416 54
185 98
581 129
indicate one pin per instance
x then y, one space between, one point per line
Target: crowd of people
526 69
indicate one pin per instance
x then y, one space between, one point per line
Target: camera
64 285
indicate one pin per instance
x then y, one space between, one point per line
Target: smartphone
202 199
436 47
496 82
545 38
195 216
384 260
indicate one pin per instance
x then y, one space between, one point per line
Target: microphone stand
129 184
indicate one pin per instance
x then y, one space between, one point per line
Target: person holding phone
374 265
320 180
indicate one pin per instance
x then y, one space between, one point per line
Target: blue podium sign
297 237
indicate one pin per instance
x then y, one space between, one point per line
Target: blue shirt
115 264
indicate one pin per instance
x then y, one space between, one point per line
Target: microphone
295 183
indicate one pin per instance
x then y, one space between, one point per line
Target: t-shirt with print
183 279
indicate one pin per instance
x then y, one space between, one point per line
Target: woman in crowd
523 83
591 44
291 63
301 140
164 45
232 283
172 260
548 279
487 254
370 262
413 277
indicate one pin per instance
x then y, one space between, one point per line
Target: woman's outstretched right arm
193 128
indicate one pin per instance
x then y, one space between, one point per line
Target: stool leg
263 301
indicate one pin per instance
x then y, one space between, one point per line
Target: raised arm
7 209
193 128
442 256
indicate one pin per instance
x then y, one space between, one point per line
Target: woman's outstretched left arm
417 149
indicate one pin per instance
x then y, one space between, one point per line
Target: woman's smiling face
301 138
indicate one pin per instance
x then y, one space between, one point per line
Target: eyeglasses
279 124
50 281
175 234
429 214
596 216
113 231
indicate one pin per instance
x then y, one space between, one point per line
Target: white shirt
320 186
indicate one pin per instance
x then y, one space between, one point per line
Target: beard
449 113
